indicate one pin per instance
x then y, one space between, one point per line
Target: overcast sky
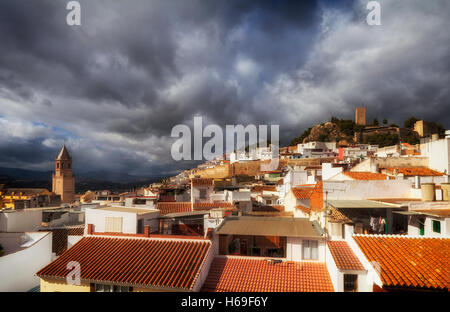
113 88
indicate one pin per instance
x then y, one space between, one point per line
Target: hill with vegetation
343 132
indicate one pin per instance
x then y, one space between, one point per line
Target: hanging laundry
373 224
382 226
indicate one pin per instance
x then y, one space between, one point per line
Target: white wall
204 269
17 270
414 229
366 282
337 276
195 194
240 195
328 171
97 217
72 240
387 162
28 220
294 249
438 153
362 189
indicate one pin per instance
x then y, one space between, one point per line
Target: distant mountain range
93 180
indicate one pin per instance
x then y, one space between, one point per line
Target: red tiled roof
365 175
303 193
173 207
169 207
166 198
202 182
407 261
133 261
251 275
344 257
314 194
207 206
303 208
415 171
337 216
261 188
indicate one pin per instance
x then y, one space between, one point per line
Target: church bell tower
63 181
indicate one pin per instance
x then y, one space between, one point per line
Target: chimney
146 231
90 229
428 192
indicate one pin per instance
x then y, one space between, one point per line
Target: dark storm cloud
134 69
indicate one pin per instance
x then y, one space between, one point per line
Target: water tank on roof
428 192
374 167
445 191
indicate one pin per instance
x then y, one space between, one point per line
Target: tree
299 140
375 122
409 123
385 121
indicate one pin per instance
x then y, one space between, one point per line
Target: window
350 282
111 288
421 226
113 224
57 165
202 194
310 250
140 226
436 226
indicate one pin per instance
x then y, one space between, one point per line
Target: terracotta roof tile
407 261
365 175
303 192
202 182
133 261
415 171
261 188
208 206
173 207
166 198
303 208
344 257
337 216
254 275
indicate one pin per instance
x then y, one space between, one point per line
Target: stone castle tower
63 181
360 116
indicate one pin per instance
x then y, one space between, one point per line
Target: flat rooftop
360 204
269 226
138 211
